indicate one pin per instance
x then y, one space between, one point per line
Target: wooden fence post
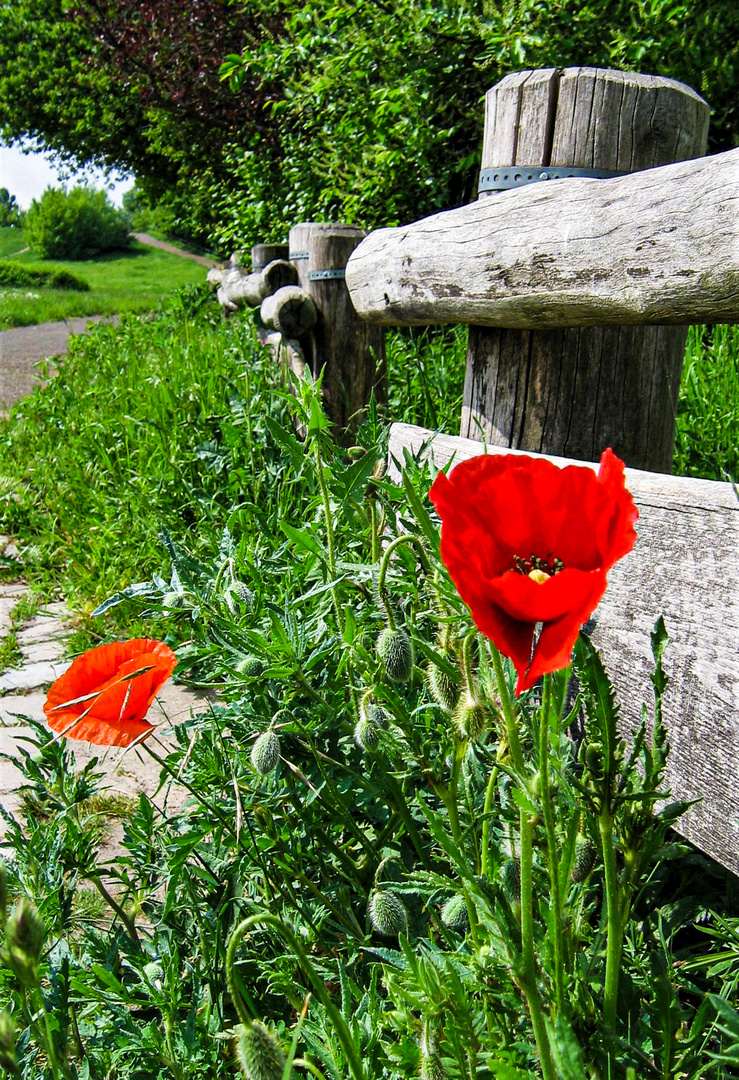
263 254
350 352
572 392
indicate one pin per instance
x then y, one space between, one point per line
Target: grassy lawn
11 242
134 280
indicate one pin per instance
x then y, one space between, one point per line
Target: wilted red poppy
106 693
526 542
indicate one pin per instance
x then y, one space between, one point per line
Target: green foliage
76 224
132 280
267 573
10 212
18 276
382 112
707 429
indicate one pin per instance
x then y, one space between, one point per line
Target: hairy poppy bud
470 719
24 940
585 852
250 666
454 914
510 877
240 591
430 1067
8 1059
387 913
376 715
265 753
443 690
367 735
172 600
395 649
260 1055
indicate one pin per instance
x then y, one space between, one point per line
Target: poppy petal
105 694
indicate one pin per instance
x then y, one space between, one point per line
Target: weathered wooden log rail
659 246
683 567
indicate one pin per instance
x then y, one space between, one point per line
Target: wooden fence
600 233
570 284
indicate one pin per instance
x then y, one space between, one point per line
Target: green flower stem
547 811
331 550
509 713
303 1063
407 538
374 538
125 918
487 811
527 946
354 1061
59 1068
467 660
396 794
615 925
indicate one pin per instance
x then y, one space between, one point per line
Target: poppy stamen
538 569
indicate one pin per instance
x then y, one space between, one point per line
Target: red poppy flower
526 542
106 693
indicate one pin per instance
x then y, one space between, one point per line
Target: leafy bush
14 275
10 211
382 113
76 224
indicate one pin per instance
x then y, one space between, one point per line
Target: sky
28 175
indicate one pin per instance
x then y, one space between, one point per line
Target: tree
10 211
131 85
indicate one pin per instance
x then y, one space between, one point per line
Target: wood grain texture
684 568
263 254
290 310
535 388
661 246
347 349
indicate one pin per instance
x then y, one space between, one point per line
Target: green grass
134 280
707 435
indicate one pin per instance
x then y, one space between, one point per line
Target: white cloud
28 175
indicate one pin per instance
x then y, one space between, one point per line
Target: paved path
151 241
23 349
41 639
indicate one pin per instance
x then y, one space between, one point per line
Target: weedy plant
401 856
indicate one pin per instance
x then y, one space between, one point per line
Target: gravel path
23 348
151 241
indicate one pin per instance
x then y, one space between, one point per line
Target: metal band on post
326 275
506 177
295 255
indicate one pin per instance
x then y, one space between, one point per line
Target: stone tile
15 589
41 628
43 652
13 706
174 703
32 676
56 607
7 603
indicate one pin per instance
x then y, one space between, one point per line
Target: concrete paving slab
16 588
13 706
32 676
56 607
7 603
43 652
41 628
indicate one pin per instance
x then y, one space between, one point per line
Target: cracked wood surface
659 246
684 568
